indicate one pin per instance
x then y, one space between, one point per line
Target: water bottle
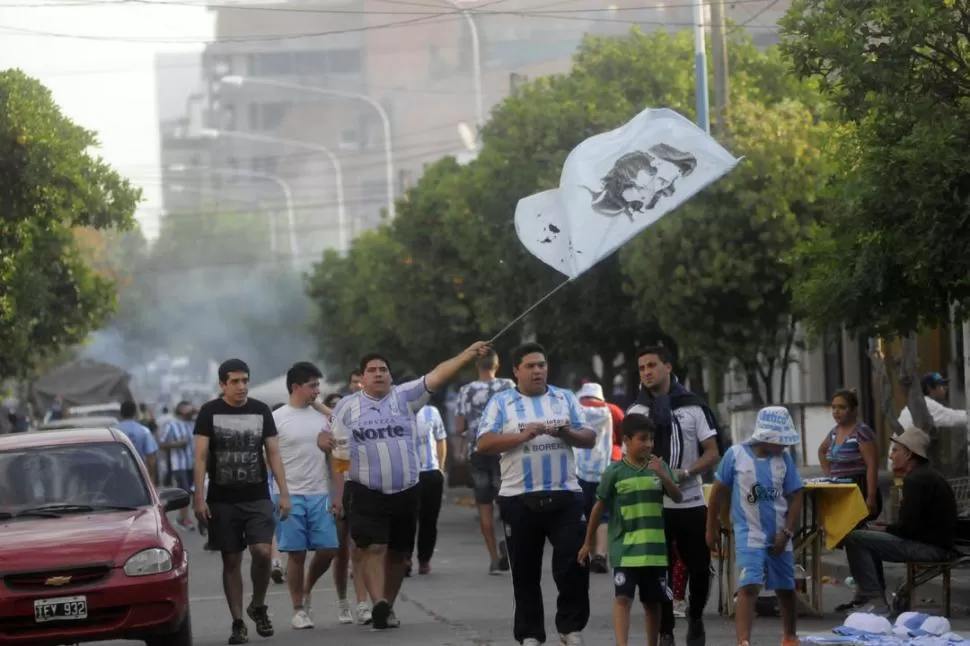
801 583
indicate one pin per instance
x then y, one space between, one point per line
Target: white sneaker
531 641
680 608
344 615
572 639
301 621
364 613
393 621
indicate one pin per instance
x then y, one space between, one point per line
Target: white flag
616 184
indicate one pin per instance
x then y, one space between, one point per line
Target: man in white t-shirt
687 440
310 525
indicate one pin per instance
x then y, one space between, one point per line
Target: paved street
458 605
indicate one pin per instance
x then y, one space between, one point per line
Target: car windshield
53 480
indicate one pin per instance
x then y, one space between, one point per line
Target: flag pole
524 314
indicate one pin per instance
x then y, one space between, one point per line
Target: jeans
526 532
867 550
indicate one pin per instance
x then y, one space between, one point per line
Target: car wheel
181 637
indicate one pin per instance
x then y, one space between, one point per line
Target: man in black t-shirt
231 435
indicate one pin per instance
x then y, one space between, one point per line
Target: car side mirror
174 498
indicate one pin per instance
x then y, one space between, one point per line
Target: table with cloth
830 511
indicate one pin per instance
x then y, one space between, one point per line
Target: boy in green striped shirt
633 490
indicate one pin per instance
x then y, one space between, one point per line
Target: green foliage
50 298
897 254
450 267
718 283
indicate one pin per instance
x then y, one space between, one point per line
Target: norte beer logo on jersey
387 431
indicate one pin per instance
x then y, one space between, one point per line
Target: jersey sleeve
269 423
577 418
604 490
493 417
793 481
461 405
725 470
341 436
438 431
413 390
699 423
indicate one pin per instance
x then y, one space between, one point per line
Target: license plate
61 609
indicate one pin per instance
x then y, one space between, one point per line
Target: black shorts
652 582
486 476
234 525
379 518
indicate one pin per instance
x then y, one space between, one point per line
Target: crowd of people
355 483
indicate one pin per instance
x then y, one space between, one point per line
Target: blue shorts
759 567
309 526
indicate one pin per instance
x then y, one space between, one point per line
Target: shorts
309 526
759 567
379 518
183 479
234 525
486 477
652 581
589 499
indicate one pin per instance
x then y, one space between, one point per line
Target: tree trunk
754 384
966 382
908 367
767 375
695 376
608 357
881 354
786 357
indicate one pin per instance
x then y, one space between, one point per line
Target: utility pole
700 67
719 59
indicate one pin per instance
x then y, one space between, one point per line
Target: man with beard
686 439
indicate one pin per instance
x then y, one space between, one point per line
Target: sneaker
531 641
424 569
597 564
380 614
495 568
344 614
666 640
301 620
876 607
680 608
240 634
260 617
790 642
503 560
308 604
571 639
277 573
364 613
392 620
695 633
186 525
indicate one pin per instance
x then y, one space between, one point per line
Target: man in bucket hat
924 531
766 501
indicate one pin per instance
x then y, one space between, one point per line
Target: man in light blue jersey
534 428
374 430
432 445
140 437
591 463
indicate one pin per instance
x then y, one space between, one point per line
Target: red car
87 552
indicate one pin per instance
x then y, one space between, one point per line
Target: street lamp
212 133
476 62
287 194
239 81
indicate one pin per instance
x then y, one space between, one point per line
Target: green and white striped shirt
635 497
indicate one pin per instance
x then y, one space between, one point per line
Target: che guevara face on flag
615 184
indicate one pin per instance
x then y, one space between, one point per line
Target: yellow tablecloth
840 508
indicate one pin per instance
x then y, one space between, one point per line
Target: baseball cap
932 379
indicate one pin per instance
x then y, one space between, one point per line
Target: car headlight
150 561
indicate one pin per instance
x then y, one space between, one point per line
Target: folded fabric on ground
911 629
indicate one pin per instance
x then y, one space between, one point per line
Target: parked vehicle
78 422
87 552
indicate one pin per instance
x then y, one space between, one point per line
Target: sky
102 77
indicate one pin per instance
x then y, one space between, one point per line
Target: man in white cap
766 501
592 462
924 532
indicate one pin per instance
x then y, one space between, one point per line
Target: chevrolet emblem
58 580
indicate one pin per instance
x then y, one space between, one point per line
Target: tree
897 257
50 184
456 227
717 281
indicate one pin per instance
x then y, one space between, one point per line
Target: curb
929 594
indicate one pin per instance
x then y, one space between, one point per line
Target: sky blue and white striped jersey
178 430
758 489
592 462
431 430
472 398
542 464
377 436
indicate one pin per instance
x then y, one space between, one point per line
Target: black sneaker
597 565
260 616
240 634
695 632
851 606
380 614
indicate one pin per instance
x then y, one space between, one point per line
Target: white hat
775 426
914 439
591 390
